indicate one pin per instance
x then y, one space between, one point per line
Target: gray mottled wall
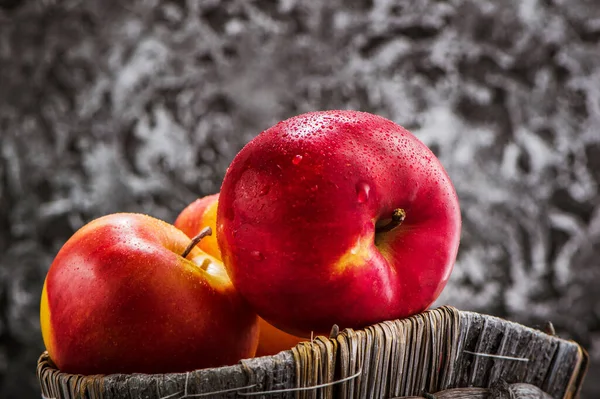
140 106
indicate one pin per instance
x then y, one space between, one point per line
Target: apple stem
398 217
207 231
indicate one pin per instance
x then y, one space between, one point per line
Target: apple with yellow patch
337 217
128 293
198 215
202 213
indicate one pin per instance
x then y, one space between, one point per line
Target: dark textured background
140 106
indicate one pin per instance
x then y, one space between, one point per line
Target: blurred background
111 105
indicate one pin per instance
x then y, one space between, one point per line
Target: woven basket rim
466 329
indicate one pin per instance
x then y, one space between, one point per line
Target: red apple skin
203 213
119 298
297 217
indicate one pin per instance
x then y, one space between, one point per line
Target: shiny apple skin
203 213
119 298
297 216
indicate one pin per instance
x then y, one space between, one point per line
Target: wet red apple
202 213
337 217
123 296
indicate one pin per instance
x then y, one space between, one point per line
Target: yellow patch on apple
358 255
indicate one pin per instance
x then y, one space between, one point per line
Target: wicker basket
441 353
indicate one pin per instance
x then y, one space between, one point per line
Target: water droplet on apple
297 159
265 190
362 192
257 255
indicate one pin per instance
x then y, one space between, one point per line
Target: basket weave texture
444 352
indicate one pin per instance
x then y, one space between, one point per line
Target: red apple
337 217
203 213
120 298
198 215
